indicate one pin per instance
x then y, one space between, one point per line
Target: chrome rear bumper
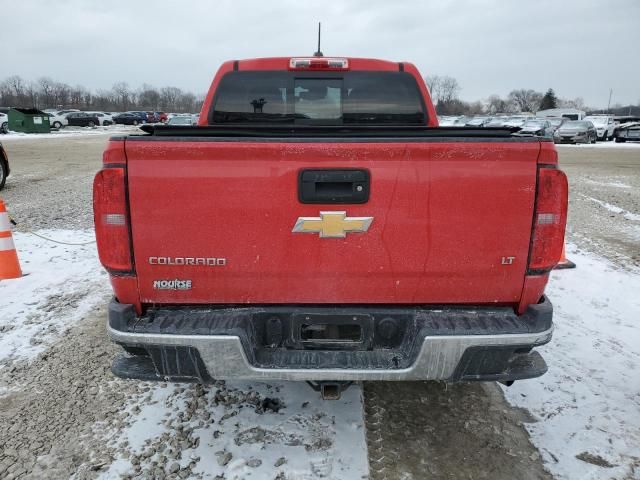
441 347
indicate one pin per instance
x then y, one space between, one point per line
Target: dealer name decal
176 284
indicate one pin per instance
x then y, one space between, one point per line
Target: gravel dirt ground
604 199
63 414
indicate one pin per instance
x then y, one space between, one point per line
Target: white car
4 123
604 126
516 120
57 121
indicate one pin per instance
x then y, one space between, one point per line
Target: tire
3 175
91 124
595 139
4 128
620 140
57 125
135 122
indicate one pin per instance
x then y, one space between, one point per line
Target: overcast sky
581 48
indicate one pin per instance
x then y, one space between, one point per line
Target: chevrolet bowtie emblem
332 224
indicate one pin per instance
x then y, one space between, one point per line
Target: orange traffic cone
564 263
9 265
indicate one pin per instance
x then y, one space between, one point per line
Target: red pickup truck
318 225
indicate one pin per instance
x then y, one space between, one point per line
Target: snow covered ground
242 429
625 145
615 209
61 284
588 404
71 132
223 431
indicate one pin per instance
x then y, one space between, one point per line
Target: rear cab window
318 98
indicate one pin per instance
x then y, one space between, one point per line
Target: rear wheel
57 125
620 140
4 128
91 124
3 175
135 122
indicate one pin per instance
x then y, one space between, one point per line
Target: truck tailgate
451 221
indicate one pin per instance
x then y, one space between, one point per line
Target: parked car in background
568 113
4 123
104 118
556 122
537 126
182 120
142 116
628 132
496 122
576 131
446 120
82 119
453 121
604 124
516 121
478 121
64 112
57 121
4 167
127 118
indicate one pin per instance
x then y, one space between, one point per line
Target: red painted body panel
532 291
444 216
126 290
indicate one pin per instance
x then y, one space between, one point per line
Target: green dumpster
28 120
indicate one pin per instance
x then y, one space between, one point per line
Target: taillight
111 219
318 63
550 219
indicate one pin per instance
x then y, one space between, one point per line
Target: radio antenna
318 53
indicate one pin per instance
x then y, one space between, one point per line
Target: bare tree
122 94
61 94
46 86
433 84
77 96
31 93
526 100
17 86
169 98
47 93
442 88
449 89
577 103
149 98
497 104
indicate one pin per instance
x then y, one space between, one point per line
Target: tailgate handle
334 186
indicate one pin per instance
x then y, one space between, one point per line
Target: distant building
570 113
